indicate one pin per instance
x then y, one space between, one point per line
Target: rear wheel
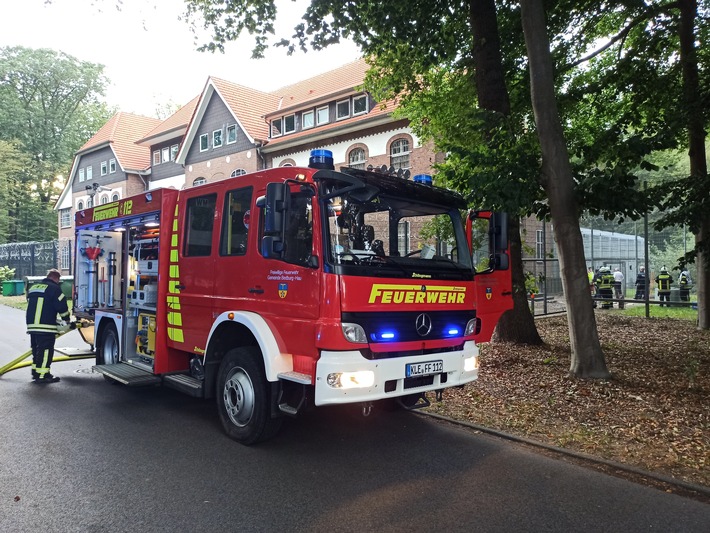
243 397
107 353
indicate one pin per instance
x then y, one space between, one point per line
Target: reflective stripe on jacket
45 301
664 282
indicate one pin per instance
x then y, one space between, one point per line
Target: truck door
488 237
191 270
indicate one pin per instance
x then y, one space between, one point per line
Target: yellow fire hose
21 363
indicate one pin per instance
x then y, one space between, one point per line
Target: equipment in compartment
148 295
145 336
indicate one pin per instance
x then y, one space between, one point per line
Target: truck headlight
351 380
354 333
470 363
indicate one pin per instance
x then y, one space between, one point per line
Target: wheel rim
239 397
110 350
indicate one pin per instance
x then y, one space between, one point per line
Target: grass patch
656 311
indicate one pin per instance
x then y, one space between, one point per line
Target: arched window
286 165
199 181
399 154
237 172
80 205
104 199
356 159
115 197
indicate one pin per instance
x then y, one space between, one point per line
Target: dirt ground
654 414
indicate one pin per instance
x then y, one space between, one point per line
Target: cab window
199 225
236 221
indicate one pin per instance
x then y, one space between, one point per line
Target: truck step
128 375
75 352
298 377
184 383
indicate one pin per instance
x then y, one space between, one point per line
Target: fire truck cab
288 288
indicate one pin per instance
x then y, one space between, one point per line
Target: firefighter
604 282
684 281
618 284
664 281
641 284
45 301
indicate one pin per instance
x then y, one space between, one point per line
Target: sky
150 56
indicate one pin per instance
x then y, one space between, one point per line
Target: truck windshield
378 225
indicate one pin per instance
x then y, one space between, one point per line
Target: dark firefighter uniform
45 301
604 282
664 281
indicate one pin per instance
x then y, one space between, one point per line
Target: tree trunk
518 324
587 360
696 149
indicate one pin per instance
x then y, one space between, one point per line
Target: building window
89 203
360 104
65 257
204 142
236 217
285 165
166 154
399 154
199 225
112 166
89 172
115 197
104 168
231 134
342 109
104 199
156 157
276 127
81 174
174 149
237 172
307 120
199 181
539 244
65 218
322 115
79 205
403 237
216 138
356 159
290 124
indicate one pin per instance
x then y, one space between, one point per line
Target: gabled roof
321 87
121 133
172 127
247 106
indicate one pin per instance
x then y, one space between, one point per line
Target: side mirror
275 204
499 232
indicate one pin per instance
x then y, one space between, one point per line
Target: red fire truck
288 288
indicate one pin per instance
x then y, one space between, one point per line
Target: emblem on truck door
423 325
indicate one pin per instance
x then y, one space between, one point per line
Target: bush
6 273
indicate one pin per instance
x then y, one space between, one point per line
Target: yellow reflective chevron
175 332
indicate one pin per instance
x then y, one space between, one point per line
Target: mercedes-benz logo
423 325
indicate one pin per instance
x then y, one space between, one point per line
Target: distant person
604 281
45 300
684 282
664 281
590 275
618 283
641 285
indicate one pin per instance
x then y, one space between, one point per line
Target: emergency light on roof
424 179
321 159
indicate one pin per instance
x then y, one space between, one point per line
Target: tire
244 396
107 352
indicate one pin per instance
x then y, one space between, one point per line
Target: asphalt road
85 455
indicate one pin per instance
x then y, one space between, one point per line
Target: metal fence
606 243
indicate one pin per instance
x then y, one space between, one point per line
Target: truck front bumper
348 377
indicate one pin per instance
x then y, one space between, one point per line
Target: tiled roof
121 132
341 79
180 119
248 105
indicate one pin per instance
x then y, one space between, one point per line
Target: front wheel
243 397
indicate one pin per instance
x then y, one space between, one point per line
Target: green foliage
6 273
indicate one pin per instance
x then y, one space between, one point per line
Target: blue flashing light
424 179
387 336
453 331
321 159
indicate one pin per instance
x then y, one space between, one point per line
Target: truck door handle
180 287
256 290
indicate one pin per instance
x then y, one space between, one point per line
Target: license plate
424 369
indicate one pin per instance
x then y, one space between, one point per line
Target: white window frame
276 127
81 175
174 149
357 99
287 119
65 217
312 120
399 156
206 138
65 257
217 139
89 172
115 197
156 157
165 158
104 199
237 172
104 168
360 163
231 134
111 166
80 206
320 122
338 116
199 181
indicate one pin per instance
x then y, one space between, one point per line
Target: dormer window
322 115
276 127
290 124
307 119
359 104
156 157
342 109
